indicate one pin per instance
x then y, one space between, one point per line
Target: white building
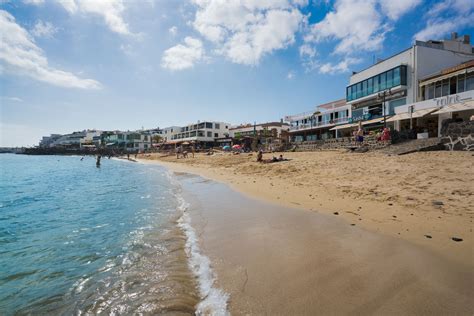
397 78
318 124
445 95
91 139
47 141
168 132
205 132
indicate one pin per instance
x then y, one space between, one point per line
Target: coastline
396 203
278 260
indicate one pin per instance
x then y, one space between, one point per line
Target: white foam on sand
213 300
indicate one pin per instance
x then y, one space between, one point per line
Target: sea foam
213 300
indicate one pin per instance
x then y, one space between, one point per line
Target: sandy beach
275 260
424 198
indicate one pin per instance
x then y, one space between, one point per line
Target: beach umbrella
226 147
185 143
236 147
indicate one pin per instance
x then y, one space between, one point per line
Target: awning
416 114
343 126
377 120
447 76
463 106
399 117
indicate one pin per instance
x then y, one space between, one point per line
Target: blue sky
69 65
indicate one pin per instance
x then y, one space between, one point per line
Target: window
390 79
208 125
445 88
216 135
370 86
359 90
403 75
396 77
364 88
431 89
438 90
217 126
376 83
470 82
461 83
354 95
209 134
201 125
383 81
348 93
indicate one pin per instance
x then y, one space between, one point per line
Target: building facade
317 124
202 132
445 96
375 92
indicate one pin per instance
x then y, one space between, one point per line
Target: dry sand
424 198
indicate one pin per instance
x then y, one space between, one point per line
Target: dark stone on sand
353 224
390 204
456 239
428 236
439 203
394 216
411 214
336 213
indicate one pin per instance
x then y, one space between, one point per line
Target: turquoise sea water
75 238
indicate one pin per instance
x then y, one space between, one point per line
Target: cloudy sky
70 65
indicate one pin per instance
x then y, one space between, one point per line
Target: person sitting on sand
260 156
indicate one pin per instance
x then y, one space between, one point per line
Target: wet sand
425 198
283 261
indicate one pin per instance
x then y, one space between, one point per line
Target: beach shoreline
272 259
427 208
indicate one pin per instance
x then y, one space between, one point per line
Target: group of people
274 159
180 151
382 135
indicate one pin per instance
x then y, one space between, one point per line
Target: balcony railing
319 124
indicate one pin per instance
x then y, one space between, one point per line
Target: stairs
414 145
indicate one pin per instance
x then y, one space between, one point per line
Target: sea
116 239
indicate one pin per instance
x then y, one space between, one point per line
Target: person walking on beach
360 134
260 156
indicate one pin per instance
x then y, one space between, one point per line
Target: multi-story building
72 140
168 132
130 141
445 95
318 124
394 81
92 138
47 141
201 132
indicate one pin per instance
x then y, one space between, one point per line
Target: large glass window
461 83
217 126
438 90
376 83
396 77
390 79
470 82
208 125
445 88
370 86
383 81
386 80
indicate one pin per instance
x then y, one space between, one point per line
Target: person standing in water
97 164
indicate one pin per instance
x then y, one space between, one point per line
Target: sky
69 65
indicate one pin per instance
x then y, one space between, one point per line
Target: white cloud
395 9
173 30
445 17
290 75
13 99
35 2
44 29
183 56
356 24
307 51
245 31
110 10
341 67
20 55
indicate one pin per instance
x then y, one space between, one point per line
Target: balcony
322 124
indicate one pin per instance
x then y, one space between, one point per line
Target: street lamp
382 95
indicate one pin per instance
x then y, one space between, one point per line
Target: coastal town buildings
47 141
376 91
205 133
168 132
266 134
318 124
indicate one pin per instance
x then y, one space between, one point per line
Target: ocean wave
213 300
